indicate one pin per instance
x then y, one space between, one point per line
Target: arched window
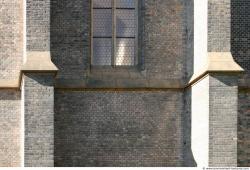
114 32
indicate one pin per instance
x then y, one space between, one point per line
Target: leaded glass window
114 32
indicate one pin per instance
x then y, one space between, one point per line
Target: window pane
102 3
102 51
126 23
102 22
125 51
125 4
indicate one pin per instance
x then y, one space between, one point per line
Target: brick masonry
39 119
219 24
11 51
165 32
189 34
70 37
118 128
187 130
223 111
38 25
229 31
244 129
240 36
163 42
10 128
11 43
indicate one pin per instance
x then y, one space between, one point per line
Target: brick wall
113 128
219 23
165 39
123 128
118 128
188 156
240 37
39 120
38 25
163 43
10 128
189 59
70 37
223 111
240 41
11 41
244 129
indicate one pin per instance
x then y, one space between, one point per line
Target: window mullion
113 32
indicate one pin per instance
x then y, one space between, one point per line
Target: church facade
162 83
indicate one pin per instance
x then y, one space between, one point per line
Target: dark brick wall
189 36
240 33
163 35
186 117
244 129
165 39
39 120
118 128
240 45
129 128
70 37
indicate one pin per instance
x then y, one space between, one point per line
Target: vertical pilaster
223 110
38 25
219 25
38 87
39 119
223 94
215 95
11 50
223 87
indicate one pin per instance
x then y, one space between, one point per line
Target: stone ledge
99 83
9 84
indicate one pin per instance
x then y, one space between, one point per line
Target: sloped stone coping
37 62
218 62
